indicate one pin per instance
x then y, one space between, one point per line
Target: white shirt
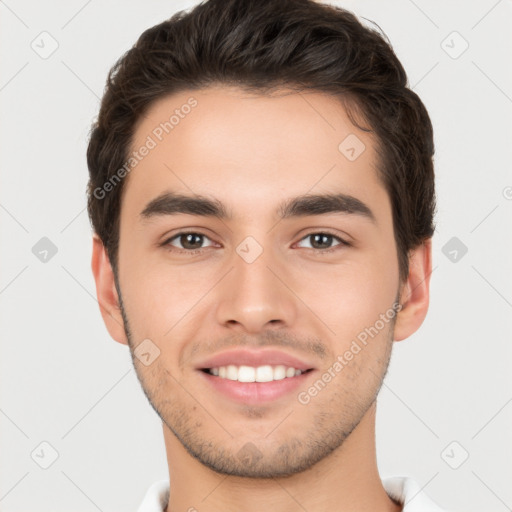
405 490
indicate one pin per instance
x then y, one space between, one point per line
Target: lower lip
255 392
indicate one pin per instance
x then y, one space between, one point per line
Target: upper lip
260 357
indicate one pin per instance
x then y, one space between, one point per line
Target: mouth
254 377
240 385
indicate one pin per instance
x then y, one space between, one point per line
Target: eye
323 241
189 241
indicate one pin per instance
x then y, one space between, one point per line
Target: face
256 279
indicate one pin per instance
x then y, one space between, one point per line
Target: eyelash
166 243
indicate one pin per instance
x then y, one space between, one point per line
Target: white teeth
232 372
265 373
246 374
280 372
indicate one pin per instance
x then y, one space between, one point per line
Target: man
262 195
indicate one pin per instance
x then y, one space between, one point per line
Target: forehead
246 149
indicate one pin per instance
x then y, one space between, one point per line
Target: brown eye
324 241
190 241
321 241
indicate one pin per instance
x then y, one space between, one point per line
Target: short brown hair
262 45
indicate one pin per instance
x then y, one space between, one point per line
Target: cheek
159 298
350 297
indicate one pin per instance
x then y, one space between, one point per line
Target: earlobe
415 292
106 292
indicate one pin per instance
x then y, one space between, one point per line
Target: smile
265 373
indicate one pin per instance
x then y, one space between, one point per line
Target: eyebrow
170 203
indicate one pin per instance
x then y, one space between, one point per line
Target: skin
251 152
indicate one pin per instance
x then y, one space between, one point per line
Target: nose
254 296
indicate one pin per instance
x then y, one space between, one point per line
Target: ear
414 294
106 292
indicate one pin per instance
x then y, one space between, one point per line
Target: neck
346 480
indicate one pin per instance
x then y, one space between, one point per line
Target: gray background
65 382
